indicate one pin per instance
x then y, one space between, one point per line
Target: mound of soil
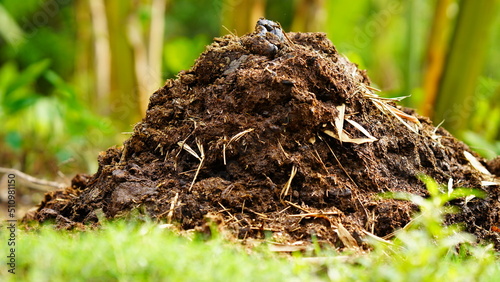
274 132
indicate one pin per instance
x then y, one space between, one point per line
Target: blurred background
76 75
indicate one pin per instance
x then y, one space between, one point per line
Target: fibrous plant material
290 139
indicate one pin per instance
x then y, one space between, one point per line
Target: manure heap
277 133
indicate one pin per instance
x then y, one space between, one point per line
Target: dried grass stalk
200 157
381 104
190 150
235 138
286 188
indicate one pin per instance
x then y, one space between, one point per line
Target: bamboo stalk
123 100
155 48
84 52
410 49
241 15
102 51
140 57
147 57
309 16
437 46
464 63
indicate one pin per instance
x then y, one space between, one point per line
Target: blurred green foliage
42 127
52 112
192 47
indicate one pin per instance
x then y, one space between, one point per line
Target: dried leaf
188 149
450 186
346 237
387 109
489 183
359 140
330 133
475 163
347 139
285 248
362 129
468 198
377 238
339 121
341 135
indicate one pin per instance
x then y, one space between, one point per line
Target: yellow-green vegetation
142 251
134 251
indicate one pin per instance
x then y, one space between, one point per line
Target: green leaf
8 72
28 76
14 140
60 84
431 184
17 103
465 192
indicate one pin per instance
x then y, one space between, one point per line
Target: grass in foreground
133 251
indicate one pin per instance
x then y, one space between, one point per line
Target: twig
32 179
314 214
318 157
282 149
230 214
297 206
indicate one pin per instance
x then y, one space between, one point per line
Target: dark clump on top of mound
275 132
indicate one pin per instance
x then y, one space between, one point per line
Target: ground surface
276 134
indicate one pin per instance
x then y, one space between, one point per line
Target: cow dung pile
277 134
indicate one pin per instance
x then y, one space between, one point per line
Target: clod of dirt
276 132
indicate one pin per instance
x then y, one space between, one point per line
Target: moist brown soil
249 138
